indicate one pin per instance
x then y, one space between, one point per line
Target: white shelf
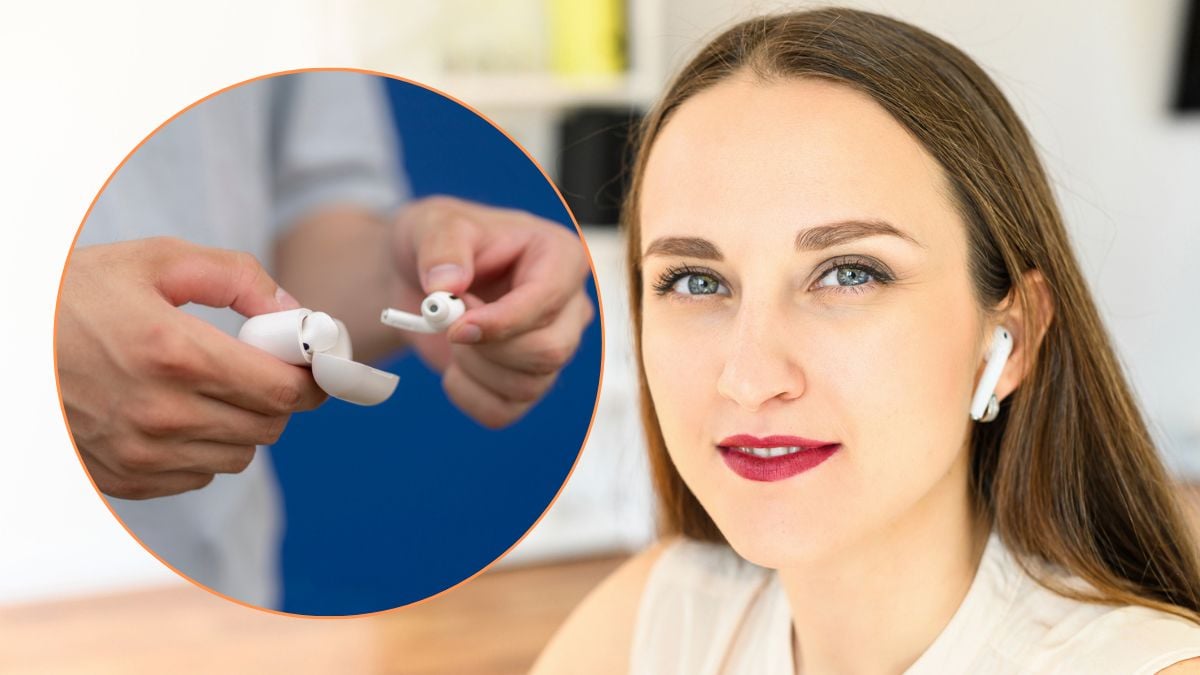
501 91
431 43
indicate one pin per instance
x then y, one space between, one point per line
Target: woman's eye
846 275
688 281
851 277
697 284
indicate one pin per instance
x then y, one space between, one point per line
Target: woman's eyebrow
684 247
826 236
813 238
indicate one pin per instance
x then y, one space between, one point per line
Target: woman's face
774 305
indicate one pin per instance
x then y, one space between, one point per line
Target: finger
247 377
545 350
189 416
478 402
547 274
445 245
217 278
146 486
189 456
144 453
511 385
210 457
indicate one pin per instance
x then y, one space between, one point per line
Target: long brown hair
1067 473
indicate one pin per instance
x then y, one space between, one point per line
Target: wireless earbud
288 335
438 311
984 406
303 337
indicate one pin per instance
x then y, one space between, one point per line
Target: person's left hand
522 278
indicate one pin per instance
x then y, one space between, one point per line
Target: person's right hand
159 401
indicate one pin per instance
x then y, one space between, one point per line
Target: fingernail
285 299
468 334
442 277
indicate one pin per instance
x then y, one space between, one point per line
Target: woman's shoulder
649 589
1049 631
1121 639
597 636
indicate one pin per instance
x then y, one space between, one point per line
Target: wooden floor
496 623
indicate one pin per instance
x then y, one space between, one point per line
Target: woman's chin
773 555
770 545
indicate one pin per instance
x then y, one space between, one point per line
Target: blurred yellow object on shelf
587 37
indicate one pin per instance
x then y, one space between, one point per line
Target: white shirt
707 611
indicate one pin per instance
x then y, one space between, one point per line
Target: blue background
389 505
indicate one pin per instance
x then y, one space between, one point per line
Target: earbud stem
405 321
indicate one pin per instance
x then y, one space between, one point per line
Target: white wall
82 86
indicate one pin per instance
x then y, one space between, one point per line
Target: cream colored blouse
706 611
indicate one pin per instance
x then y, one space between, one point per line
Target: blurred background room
1109 89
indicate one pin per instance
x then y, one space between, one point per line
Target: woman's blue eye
697 284
846 275
689 281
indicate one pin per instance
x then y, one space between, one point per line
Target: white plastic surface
342 347
405 321
439 310
352 381
998 352
278 333
302 337
318 333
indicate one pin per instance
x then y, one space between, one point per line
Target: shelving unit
526 103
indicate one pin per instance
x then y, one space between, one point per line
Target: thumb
446 255
217 277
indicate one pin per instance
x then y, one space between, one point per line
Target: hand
158 401
522 278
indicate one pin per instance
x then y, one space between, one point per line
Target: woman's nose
760 366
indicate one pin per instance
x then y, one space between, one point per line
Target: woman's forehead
789 151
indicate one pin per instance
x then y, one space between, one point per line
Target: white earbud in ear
302 337
438 311
984 406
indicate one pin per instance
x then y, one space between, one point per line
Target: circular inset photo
328 343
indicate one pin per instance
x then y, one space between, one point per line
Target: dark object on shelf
1188 98
595 161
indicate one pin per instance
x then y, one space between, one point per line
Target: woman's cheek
677 372
911 416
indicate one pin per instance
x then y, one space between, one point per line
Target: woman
832 213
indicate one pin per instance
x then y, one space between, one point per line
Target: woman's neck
877 605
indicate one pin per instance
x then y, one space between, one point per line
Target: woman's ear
1028 325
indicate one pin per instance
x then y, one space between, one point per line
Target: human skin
877 545
521 276
159 402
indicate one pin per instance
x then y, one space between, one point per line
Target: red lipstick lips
774 457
